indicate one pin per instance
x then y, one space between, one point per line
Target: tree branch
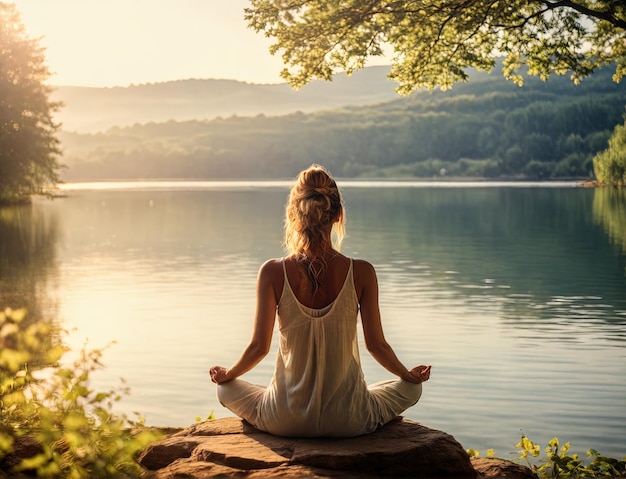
606 16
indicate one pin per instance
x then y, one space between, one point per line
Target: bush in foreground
75 433
559 464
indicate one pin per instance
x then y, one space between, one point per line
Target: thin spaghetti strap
286 279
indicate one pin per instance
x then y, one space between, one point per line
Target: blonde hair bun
314 212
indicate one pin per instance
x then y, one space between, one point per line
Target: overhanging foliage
435 41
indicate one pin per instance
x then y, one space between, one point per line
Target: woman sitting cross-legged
318 388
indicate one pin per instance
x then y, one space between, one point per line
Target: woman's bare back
331 281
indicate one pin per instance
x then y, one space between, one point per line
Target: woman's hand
219 374
419 374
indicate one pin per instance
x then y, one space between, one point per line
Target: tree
610 165
435 41
29 150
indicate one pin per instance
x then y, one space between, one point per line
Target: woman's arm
377 345
259 346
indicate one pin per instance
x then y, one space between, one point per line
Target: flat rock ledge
231 448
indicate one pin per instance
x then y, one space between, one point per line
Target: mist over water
515 294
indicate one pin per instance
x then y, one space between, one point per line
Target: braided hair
314 215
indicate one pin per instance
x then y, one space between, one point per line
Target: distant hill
488 127
90 109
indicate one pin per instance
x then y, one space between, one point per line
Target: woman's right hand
218 374
419 374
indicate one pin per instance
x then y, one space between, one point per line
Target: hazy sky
119 42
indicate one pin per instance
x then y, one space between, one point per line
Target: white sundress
318 388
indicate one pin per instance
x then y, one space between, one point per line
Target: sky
122 42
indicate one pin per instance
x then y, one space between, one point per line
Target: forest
486 128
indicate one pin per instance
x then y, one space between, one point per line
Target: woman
318 388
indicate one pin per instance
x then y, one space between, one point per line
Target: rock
24 447
500 468
230 447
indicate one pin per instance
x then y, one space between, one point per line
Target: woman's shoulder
272 267
362 267
271 276
364 276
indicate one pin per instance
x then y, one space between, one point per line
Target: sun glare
117 43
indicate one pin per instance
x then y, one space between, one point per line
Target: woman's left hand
218 374
419 374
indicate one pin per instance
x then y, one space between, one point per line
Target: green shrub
609 165
559 464
77 434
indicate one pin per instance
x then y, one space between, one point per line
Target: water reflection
28 241
172 225
536 254
609 210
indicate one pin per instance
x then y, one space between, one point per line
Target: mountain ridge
488 127
93 109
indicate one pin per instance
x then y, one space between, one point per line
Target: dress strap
284 269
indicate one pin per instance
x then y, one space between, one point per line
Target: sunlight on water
207 184
170 185
515 295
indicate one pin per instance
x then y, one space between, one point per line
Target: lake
515 293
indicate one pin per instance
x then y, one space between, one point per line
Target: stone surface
230 447
500 468
23 448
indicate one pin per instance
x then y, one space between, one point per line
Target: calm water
515 294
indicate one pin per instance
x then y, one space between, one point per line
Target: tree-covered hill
488 127
89 110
